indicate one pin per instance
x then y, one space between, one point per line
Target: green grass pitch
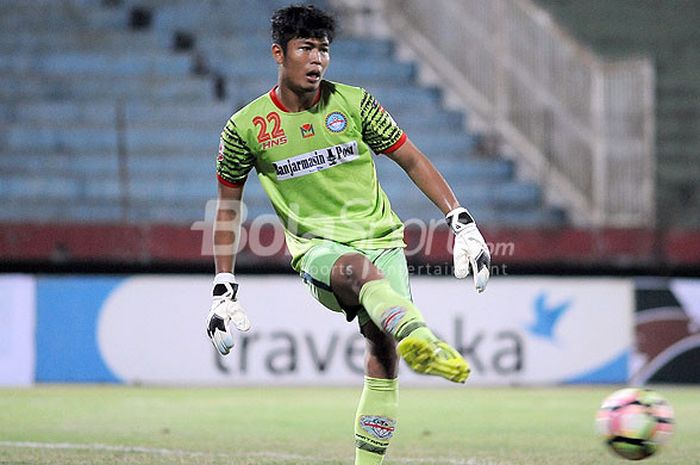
70 425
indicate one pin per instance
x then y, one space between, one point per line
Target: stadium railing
583 126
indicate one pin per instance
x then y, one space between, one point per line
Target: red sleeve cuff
397 145
229 183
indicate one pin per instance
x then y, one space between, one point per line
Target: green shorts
317 263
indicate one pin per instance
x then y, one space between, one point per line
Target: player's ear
277 53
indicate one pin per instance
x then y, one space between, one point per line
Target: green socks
375 421
390 311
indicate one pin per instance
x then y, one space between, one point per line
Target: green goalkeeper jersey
317 166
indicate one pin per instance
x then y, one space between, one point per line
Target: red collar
278 103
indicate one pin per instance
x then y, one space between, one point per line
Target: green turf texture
462 425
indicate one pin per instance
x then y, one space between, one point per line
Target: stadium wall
129 248
523 331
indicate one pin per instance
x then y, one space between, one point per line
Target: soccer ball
635 422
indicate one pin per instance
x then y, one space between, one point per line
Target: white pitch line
143 450
186 453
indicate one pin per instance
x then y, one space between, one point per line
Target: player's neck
295 102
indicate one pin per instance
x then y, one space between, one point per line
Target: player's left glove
225 311
470 252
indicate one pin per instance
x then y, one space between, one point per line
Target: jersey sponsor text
318 160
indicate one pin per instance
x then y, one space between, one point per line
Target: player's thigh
316 267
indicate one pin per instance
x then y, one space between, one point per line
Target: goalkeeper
311 142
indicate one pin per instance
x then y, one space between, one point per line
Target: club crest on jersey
378 426
318 160
307 130
336 122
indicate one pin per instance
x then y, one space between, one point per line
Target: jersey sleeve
235 159
379 130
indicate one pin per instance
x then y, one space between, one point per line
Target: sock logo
378 426
391 319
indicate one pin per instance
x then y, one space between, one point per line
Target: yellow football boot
434 357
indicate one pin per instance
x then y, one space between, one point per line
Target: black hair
301 22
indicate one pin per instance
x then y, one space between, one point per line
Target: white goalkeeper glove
470 253
225 311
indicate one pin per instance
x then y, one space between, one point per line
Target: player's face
303 64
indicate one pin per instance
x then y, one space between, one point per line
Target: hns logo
307 130
547 316
336 122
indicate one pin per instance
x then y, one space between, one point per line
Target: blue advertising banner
67 313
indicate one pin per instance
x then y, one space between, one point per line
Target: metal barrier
584 125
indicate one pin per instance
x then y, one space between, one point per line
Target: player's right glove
225 311
470 252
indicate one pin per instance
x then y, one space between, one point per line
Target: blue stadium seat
211 116
33 187
73 140
49 164
54 87
164 141
109 190
60 211
62 113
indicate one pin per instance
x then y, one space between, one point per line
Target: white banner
17 320
520 331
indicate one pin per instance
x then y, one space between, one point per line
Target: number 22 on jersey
274 137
